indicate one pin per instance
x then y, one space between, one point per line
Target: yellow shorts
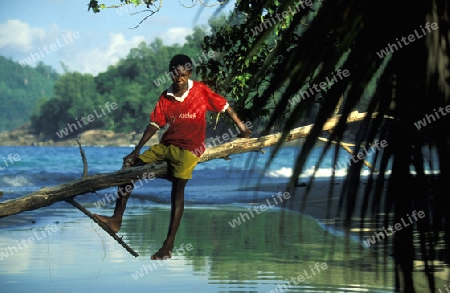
182 162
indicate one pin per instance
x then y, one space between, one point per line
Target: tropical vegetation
21 88
401 48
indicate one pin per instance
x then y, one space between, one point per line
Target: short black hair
180 60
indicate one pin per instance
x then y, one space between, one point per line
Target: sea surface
59 249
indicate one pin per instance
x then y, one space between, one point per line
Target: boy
183 106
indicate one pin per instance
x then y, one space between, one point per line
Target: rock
94 137
97 134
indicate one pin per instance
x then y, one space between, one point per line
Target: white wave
284 172
427 172
16 180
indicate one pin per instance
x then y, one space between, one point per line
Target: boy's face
180 77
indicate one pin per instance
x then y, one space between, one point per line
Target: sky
55 31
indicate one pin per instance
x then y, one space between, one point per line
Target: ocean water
58 249
25 168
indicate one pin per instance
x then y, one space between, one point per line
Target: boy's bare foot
112 223
162 254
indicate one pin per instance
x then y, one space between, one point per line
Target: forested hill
21 88
119 99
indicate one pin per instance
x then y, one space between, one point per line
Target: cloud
29 45
18 35
97 60
176 35
85 54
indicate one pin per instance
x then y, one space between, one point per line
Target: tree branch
71 200
103 226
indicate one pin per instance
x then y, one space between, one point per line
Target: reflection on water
271 252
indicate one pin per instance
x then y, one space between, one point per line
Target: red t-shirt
187 119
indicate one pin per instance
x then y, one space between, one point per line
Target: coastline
95 137
23 136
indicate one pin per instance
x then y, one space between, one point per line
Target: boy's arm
148 133
245 132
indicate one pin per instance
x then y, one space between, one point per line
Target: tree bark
47 196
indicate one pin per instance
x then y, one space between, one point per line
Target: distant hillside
21 88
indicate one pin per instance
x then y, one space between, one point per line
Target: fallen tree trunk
49 195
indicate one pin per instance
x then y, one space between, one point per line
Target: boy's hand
245 134
129 159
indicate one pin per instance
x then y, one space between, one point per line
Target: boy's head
180 60
180 67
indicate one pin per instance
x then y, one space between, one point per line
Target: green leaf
93 4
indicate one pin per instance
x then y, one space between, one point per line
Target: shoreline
22 137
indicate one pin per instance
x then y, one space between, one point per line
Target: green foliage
96 7
311 45
20 90
93 5
75 96
248 40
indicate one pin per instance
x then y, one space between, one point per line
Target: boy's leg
182 163
177 208
153 154
115 221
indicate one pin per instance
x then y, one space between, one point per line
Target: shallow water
262 254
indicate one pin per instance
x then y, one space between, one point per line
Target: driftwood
47 196
103 226
75 204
